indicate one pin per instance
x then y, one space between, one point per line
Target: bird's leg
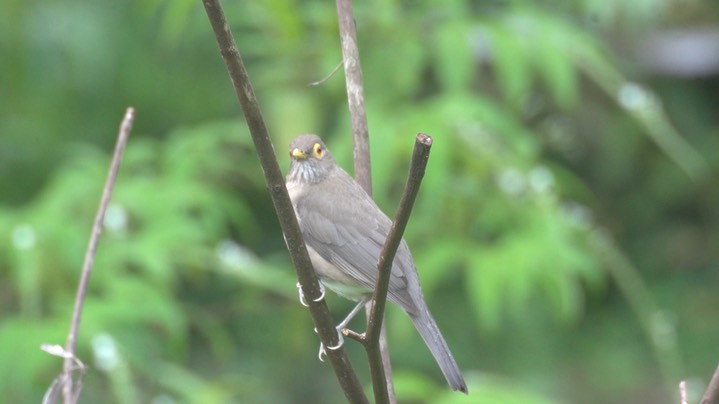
302 295
353 313
341 325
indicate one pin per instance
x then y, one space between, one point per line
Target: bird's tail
431 335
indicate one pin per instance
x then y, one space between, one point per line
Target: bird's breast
294 188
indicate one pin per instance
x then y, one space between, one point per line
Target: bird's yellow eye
318 150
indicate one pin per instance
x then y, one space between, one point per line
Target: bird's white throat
304 172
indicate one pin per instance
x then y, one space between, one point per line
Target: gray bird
345 231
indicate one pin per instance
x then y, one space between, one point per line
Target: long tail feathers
431 335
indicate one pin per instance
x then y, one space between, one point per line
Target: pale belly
340 283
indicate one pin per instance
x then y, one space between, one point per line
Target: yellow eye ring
318 150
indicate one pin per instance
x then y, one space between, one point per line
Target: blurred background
566 232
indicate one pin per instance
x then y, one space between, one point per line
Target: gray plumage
344 231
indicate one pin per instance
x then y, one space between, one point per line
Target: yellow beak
298 154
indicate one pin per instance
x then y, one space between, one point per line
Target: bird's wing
351 235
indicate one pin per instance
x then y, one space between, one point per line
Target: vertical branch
281 201
355 94
71 394
362 164
683 395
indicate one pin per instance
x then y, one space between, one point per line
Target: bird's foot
340 342
302 295
341 326
322 293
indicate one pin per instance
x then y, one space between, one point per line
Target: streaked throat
304 172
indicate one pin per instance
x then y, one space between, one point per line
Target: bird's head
311 160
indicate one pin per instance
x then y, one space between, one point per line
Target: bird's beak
298 154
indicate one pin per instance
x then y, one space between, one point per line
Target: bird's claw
302 295
322 293
340 342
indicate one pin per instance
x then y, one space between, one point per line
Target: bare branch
355 94
360 139
281 200
71 392
683 399
711 396
420 156
384 356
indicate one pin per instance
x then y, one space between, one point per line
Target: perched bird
345 231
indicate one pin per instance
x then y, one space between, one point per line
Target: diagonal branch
71 392
281 201
711 396
420 156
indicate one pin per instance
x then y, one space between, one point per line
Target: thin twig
70 393
626 276
329 76
285 213
383 348
420 156
711 395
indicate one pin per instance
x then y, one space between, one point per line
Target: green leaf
553 57
455 64
512 65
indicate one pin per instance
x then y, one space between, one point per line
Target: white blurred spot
23 237
105 350
235 255
115 218
633 96
511 181
163 399
663 330
578 215
541 179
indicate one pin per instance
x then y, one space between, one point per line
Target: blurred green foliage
566 231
